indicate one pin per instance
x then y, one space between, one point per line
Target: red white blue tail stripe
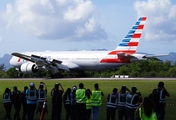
130 42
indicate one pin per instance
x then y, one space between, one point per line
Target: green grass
144 86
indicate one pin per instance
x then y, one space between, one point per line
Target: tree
2 67
12 73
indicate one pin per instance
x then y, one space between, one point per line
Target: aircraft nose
12 61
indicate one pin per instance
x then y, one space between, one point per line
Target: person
24 102
7 103
132 101
31 97
73 103
121 102
67 103
160 94
42 93
88 104
56 94
96 101
146 110
81 102
111 105
16 102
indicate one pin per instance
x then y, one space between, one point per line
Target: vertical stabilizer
130 42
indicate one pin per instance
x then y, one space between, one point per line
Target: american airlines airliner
124 53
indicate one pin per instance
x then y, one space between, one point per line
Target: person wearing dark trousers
133 100
56 102
160 95
73 103
24 102
32 97
42 93
111 105
81 102
16 102
121 102
7 103
67 103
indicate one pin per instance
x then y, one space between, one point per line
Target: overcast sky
40 25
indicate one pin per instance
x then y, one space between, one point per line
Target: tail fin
129 44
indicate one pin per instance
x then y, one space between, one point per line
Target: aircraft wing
42 61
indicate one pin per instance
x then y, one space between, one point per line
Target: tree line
147 68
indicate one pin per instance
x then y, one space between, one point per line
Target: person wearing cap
160 100
56 94
96 101
73 103
16 95
132 101
121 102
24 102
111 105
42 92
81 102
31 97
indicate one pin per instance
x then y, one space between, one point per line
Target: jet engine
29 68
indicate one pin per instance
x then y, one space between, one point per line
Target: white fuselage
79 60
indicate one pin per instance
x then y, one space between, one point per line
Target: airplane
123 54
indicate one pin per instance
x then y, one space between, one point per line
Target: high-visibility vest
144 117
68 101
162 98
81 96
73 98
96 98
88 103
6 98
129 101
121 99
42 95
31 95
112 102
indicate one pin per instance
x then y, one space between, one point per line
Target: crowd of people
84 104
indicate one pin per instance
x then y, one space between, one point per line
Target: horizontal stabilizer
151 56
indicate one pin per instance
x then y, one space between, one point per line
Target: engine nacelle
29 68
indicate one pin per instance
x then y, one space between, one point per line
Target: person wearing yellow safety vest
132 101
88 104
146 110
96 101
81 102
111 105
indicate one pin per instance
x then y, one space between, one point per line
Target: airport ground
144 85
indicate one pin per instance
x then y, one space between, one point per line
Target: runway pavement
1 79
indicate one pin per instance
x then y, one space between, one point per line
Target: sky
56 25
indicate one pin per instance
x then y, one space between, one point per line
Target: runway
3 79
